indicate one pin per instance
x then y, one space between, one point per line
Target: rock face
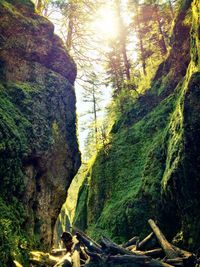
151 166
38 147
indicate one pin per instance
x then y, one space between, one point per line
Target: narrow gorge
146 167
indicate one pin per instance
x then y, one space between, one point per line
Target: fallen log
88 243
145 240
76 259
110 247
128 259
41 258
94 256
153 252
158 263
137 245
182 261
86 236
167 247
131 242
83 254
175 261
133 248
189 259
65 261
58 252
182 253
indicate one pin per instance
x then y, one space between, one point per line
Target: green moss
14 243
132 170
80 219
28 127
152 166
27 3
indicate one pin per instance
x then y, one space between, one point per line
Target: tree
122 39
42 6
151 22
92 94
139 33
114 67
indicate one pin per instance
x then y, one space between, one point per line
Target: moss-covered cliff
152 167
38 147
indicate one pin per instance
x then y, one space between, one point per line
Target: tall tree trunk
70 28
171 8
95 118
140 40
39 6
163 45
126 63
122 36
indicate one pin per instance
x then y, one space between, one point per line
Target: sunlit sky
105 28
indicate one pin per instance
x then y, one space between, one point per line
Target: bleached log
167 247
145 240
58 252
131 242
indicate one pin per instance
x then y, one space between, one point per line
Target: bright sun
105 24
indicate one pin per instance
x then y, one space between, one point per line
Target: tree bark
167 247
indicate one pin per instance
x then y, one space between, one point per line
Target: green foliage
14 243
80 219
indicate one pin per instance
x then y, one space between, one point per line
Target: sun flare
105 23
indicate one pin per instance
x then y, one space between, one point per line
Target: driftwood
88 243
41 258
94 256
131 242
166 246
153 252
84 251
78 231
76 259
145 240
128 259
110 247
58 252
132 247
65 261
182 252
158 263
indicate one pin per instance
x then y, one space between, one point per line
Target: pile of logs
84 251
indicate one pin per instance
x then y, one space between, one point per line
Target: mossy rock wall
39 153
152 167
